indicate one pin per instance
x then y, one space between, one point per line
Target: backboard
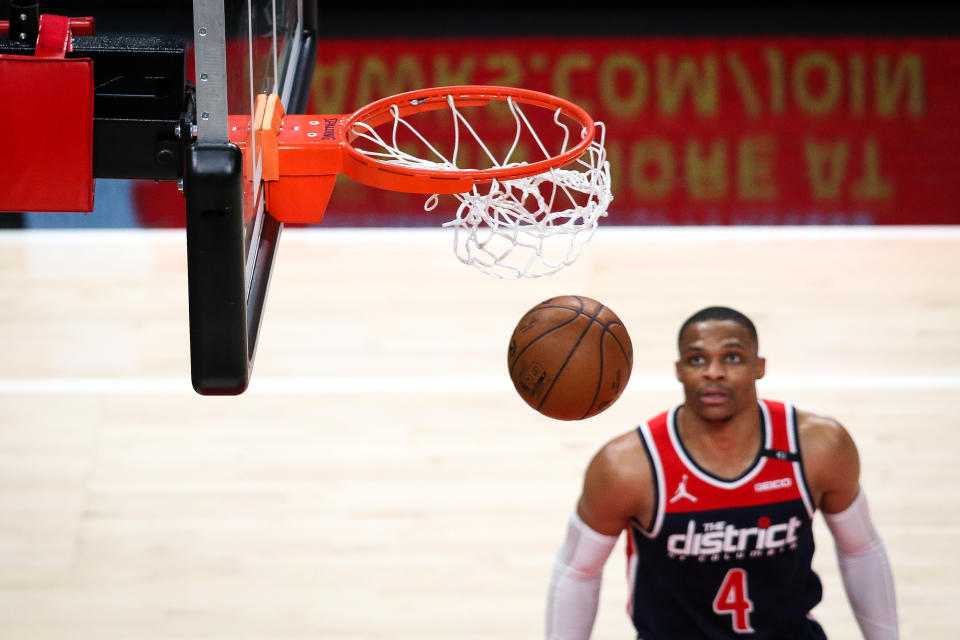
243 48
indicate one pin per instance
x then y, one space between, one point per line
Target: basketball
570 357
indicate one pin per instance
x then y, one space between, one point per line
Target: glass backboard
243 48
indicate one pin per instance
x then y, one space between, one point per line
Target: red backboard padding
47 116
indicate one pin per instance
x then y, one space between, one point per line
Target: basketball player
717 497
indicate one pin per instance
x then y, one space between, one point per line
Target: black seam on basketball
536 309
596 392
579 311
623 350
555 306
546 394
534 339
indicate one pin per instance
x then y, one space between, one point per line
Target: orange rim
374 172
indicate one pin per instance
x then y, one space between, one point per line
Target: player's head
720 313
719 363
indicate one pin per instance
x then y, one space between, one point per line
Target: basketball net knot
533 226
523 227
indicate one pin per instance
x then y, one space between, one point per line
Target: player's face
718 368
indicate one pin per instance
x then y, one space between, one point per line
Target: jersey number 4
733 599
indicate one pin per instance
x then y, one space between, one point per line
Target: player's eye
696 361
734 358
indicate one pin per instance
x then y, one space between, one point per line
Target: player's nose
714 370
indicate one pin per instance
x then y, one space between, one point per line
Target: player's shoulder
617 486
831 462
622 459
813 426
823 438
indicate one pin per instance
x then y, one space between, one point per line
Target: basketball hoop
525 208
515 217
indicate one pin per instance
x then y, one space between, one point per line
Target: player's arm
613 491
833 470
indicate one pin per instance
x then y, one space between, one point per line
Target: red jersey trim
660 489
706 477
671 465
793 437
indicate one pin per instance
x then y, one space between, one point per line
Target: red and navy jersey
724 558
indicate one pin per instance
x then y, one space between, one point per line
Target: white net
521 227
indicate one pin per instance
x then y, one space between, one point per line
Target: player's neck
726 448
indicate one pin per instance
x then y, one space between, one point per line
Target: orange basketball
570 357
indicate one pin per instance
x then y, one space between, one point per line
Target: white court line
281 385
352 235
349 235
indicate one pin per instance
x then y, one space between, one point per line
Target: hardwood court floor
380 478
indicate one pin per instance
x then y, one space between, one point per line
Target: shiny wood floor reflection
380 478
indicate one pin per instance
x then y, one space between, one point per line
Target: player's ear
761 367
676 368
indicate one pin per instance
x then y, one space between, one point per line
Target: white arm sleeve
574 593
865 570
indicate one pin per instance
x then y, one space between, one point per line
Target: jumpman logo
682 491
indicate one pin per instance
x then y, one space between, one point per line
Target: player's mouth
714 396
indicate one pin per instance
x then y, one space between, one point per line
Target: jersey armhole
793 431
651 529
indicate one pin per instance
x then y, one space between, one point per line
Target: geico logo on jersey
720 540
770 485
